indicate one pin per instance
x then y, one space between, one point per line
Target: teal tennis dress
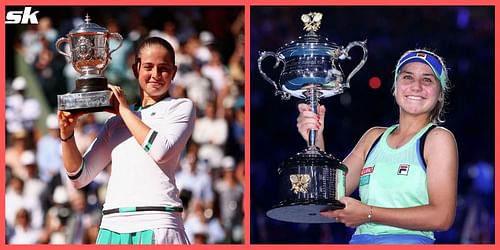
394 178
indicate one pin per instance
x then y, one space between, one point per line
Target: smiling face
417 89
155 72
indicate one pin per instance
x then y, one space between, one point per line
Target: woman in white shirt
143 146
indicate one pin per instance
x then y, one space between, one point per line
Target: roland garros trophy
311 181
89 54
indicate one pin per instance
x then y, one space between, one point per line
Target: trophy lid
310 40
88 27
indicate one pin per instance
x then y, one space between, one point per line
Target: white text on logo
21 17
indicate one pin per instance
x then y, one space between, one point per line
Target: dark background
463 36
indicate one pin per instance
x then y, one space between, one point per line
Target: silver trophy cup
89 54
312 180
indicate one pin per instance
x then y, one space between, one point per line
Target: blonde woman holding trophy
407 173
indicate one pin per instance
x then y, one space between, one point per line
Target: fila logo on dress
403 169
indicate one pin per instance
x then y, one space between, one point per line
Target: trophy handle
59 42
118 37
263 55
361 44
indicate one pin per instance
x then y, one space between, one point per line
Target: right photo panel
372 125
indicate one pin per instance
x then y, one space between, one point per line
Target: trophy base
310 182
94 101
304 213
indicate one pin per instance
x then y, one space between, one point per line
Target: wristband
370 214
69 137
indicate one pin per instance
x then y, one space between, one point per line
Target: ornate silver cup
89 55
311 181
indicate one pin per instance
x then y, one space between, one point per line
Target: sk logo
300 182
21 17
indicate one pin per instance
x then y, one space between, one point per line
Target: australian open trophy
89 54
312 180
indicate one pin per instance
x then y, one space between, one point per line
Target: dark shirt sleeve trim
148 145
77 174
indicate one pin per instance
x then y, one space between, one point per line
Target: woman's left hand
119 99
354 214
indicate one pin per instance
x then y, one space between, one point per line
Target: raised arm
82 170
308 120
72 159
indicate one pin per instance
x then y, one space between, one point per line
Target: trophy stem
312 99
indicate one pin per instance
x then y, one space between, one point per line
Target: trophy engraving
89 55
310 70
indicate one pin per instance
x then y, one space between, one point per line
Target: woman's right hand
67 122
308 120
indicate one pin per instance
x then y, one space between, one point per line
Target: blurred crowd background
464 36
40 205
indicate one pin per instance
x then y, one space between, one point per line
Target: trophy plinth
89 56
90 95
311 181
93 101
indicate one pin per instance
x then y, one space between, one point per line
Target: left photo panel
124 124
